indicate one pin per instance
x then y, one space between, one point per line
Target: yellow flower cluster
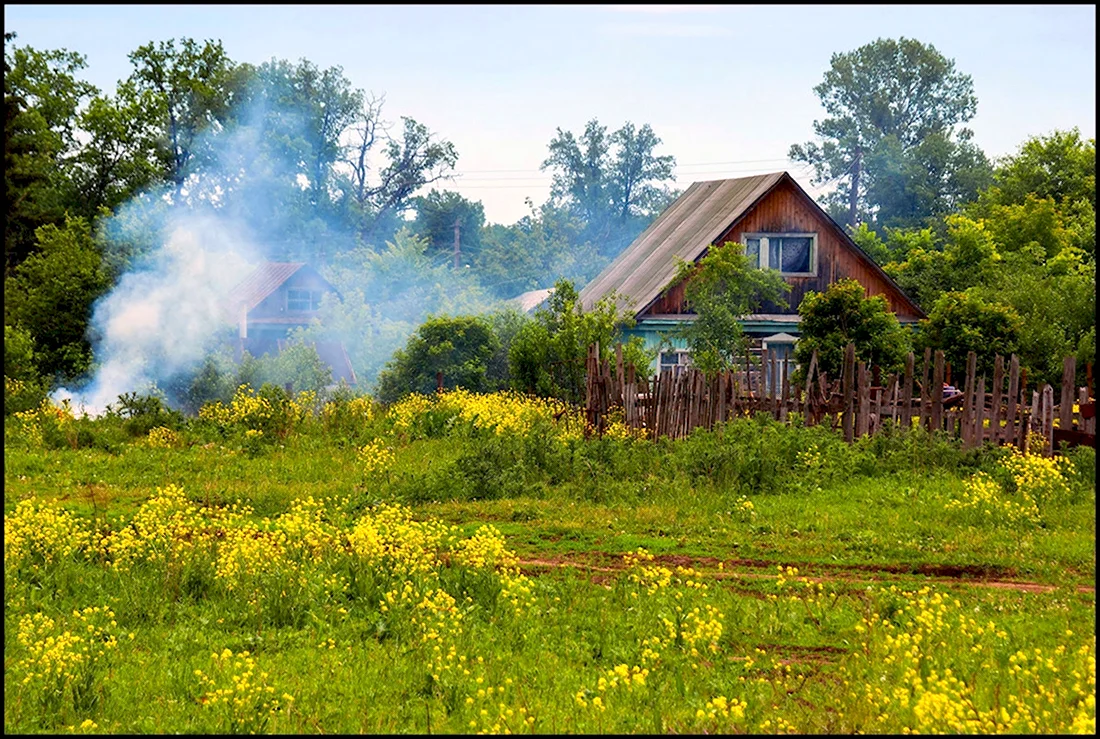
939 661
375 457
63 660
308 535
1040 479
500 413
166 529
1037 481
389 538
486 549
239 693
724 707
250 410
811 458
352 414
36 536
744 509
405 414
162 437
983 497
504 412
33 422
496 717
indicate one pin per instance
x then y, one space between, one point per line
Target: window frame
313 299
764 255
683 360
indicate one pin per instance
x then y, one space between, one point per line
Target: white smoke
158 320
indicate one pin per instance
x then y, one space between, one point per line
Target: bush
142 413
842 315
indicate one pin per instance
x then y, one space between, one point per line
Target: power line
686 164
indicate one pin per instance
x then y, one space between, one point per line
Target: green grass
865 520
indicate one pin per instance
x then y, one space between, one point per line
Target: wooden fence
998 409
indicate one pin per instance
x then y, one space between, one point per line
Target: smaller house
276 298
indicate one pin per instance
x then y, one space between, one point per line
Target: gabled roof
265 280
686 229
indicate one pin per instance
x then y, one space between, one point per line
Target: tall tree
611 181
439 214
51 295
42 97
119 158
899 89
194 87
380 194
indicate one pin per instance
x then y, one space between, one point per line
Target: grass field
476 564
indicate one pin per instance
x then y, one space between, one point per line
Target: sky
727 89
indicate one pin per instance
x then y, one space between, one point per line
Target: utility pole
458 225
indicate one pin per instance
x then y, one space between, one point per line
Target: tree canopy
721 289
891 142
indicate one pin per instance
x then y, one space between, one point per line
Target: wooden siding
786 210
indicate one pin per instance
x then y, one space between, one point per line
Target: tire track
984 576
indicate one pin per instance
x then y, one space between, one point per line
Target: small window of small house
674 360
303 300
791 254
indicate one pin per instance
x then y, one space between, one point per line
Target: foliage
41 99
869 241
961 323
886 101
23 388
436 216
547 244
143 413
190 90
609 189
51 294
915 186
548 355
460 348
720 289
1060 166
842 315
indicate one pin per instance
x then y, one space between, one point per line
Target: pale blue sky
727 88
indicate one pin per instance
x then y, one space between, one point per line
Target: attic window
790 253
303 300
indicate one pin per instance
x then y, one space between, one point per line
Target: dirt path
735 569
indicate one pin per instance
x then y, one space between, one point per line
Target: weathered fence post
979 414
1013 396
998 387
937 393
1047 429
848 380
966 428
1065 408
925 391
907 393
863 420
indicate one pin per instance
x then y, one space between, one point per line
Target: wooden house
278 297
782 228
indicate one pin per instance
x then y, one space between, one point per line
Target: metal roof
265 280
685 229
528 301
